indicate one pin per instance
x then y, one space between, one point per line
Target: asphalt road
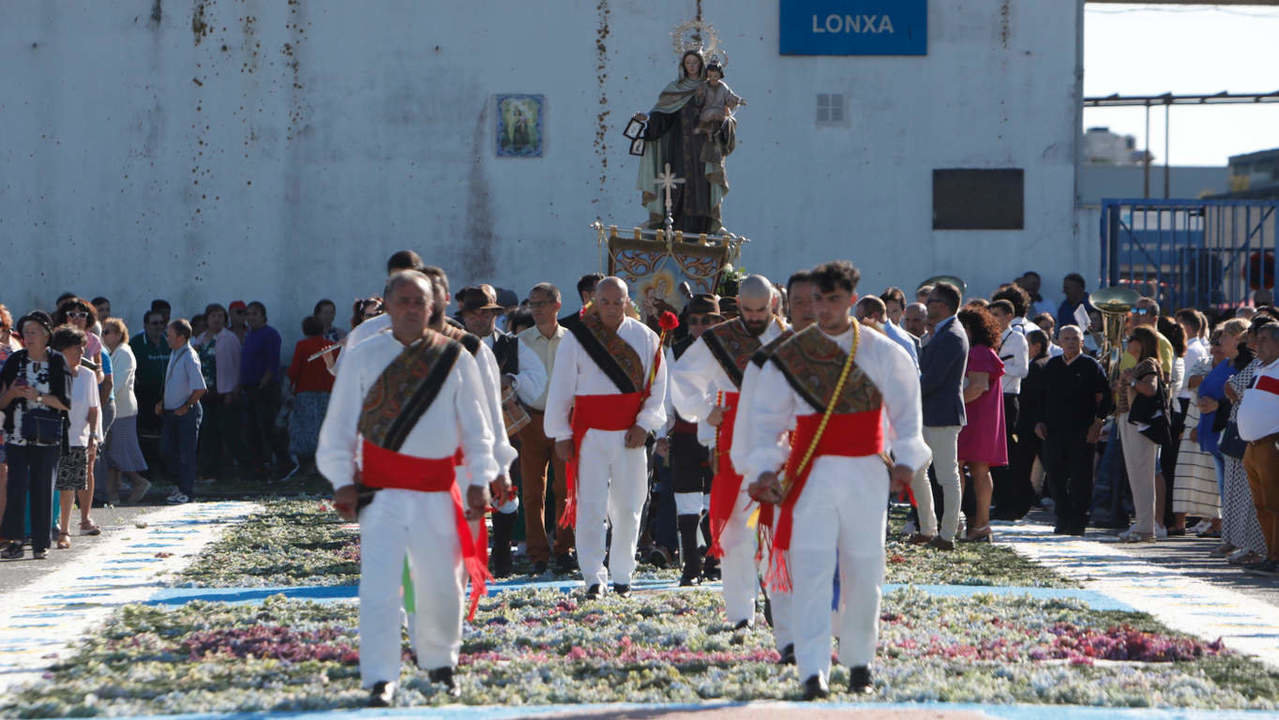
16 573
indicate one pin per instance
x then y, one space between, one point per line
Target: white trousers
739 575
421 525
612 484
944 443
843 508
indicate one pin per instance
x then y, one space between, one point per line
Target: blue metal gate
1190 253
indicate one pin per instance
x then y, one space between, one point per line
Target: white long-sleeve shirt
1259 407
456 418
775 405
1015 352
531 380
697 378
503 453
576 373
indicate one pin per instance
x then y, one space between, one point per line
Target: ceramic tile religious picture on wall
519 125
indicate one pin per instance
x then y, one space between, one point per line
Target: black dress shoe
565 564
742 625
622 591
788 654
815 688
687 580
382 694
444 676
859 682
593 592
539 567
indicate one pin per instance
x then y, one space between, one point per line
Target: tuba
957 282
1114 303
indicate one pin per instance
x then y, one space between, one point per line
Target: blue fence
1190 253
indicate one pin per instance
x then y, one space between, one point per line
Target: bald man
706 384
607 393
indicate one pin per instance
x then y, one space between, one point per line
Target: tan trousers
1139 460
1261 461
536 451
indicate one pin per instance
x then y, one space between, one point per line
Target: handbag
42 426
1231 444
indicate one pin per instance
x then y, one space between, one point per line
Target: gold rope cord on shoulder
830 409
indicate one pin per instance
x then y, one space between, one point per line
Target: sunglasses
536 304
78 314
1142 311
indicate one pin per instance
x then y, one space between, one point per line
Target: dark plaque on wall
971 199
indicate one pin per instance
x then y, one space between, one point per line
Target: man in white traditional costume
803 312
403 403
833 383
607 393
705 386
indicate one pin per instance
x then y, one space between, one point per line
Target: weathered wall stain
199 28
476 254
157 12
601 79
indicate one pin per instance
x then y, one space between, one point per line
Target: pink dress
982 440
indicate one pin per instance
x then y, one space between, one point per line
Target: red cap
236 305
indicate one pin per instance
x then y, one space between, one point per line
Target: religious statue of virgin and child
693 129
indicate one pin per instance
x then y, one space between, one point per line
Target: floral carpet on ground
302 542
540 647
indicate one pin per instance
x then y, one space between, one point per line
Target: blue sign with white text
854 27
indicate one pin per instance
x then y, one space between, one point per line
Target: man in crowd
705 386
689 442
260 384
1013 494
152 353
1076 401
237 311
874 311
802 292
103 307
537 451
832 383
609 375
491 381
915 320
1073 287
942 363
1031 283
180 409
1258 420
585 293
392 468
521 370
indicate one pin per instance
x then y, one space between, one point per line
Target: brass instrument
1114 303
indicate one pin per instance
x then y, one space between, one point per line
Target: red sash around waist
595 412
858 434
388 469
727 483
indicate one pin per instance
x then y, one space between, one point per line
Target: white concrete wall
281 150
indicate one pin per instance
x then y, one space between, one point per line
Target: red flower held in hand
668 321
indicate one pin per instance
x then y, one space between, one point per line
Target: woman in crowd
121 447
83 316
83 429
982 441
1194 491
1176 337
35 393
1143 427
9 344
1212 391
219 351
1239 524
366 309
327 312
312 382
1026 455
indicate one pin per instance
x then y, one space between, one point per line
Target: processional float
682 248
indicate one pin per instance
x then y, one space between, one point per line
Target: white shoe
1203 525
178 499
